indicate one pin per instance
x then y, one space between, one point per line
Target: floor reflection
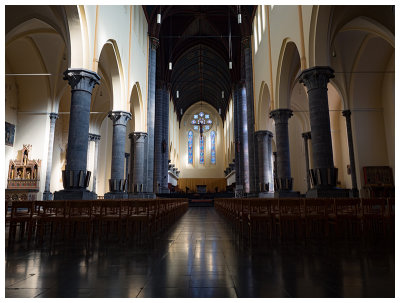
200 256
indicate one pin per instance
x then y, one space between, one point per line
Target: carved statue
12 172
25 158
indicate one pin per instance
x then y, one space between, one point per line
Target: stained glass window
190 147
206 116
201 150
213 153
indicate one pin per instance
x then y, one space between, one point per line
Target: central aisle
200 257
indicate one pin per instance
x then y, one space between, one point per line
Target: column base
164 190
47 196
115 195
354 193
266 194
76 194
141 195
332 192
286 194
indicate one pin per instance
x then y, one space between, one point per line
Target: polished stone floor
200 256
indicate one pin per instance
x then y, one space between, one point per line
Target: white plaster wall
104 163
173 136
297 154
114 24
229 135
388 102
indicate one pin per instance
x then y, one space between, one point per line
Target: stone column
75 176
127 156
257 163
248 72
316 80
275 165
96 139
283 180
307 136
47 195
270 176
161 138
243 137
117 181
165 143
154 43
235 94
263 138
137 167
347 114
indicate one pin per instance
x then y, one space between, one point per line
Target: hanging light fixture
177 94
219 111
181 112
170 66
239 16
230 40
159 17
223 94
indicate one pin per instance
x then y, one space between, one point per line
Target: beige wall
197 170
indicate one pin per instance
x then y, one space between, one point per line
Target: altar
23 177
201 189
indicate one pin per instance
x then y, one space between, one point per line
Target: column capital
316 77
306 135
240 84
94 137
81 79
262 133
281 115
346 113
119 117
53 117
154 42
138 136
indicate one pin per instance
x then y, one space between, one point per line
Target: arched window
201 150
190 147
213 153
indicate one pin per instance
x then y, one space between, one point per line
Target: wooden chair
289 218
137 219
109 217
260 220
316 213
373 216
346 219
50 214
390 216
8 213
80 217
21 216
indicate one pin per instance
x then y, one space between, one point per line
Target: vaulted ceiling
199 41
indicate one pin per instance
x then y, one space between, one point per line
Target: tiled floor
200 256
